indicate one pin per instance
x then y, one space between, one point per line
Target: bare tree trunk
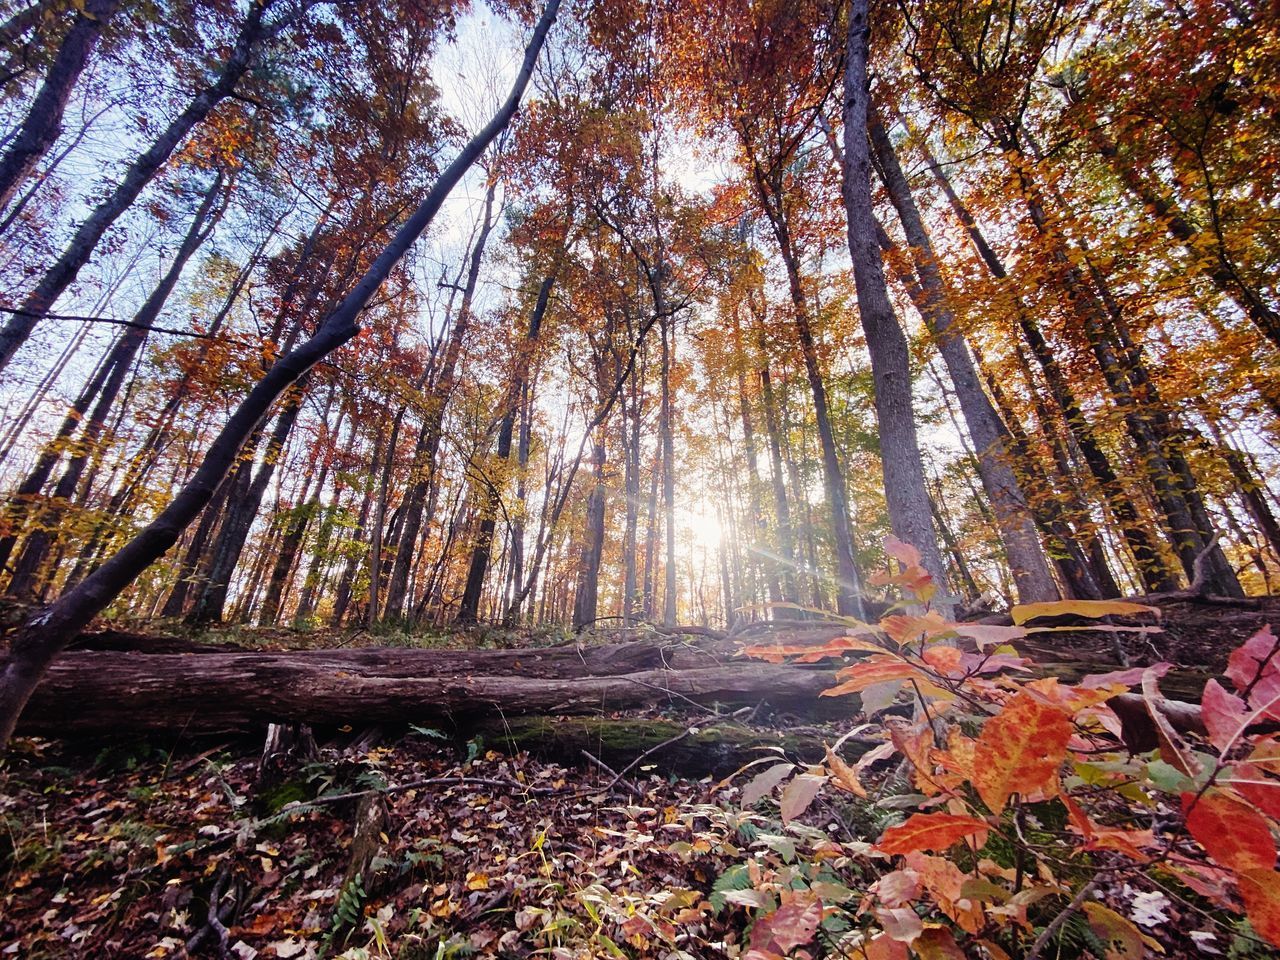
469 606
296 528
905 490
631 427
429 440
1155 574
668 475
34 645
42 125
781 506
586 597
1008 502
241 512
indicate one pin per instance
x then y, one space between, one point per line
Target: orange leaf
1232 831
844 776
884 947
938 943
873 671
1019 751
916 744
798 794
904 629
932 831
945 660
1260 891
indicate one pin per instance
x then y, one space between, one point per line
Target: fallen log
215 692
716 748
562 660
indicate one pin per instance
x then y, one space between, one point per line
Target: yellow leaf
1093 609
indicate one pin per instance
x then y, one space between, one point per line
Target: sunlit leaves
1020 751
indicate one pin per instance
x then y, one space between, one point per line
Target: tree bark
668 475
429 439
93 691
469 606
904 482
1151 567
1026 558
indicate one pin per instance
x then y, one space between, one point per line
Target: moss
716 749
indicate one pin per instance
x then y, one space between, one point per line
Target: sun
703 526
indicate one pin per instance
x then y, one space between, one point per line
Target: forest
748 479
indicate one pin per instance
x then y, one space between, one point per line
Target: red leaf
1223 714
1255 666
1259 790
932 831
792 925
1260 891
1234 833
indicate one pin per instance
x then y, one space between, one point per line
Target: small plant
1028 828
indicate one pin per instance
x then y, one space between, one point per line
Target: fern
349 909
735 878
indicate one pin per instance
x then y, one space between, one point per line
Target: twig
1043 940
617 777
1200 566
652 750
115 321
672 693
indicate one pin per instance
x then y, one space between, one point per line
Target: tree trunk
42 125
1151 567
429 439
93 691
241 512
1008 502
60 276
782 508
668 476
587 594
469 606
905 490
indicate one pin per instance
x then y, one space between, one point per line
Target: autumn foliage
1022 810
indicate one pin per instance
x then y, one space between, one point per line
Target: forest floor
413 844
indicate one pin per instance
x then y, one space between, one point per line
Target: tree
51 629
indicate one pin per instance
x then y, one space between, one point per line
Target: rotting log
562 660
91 691
717 748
